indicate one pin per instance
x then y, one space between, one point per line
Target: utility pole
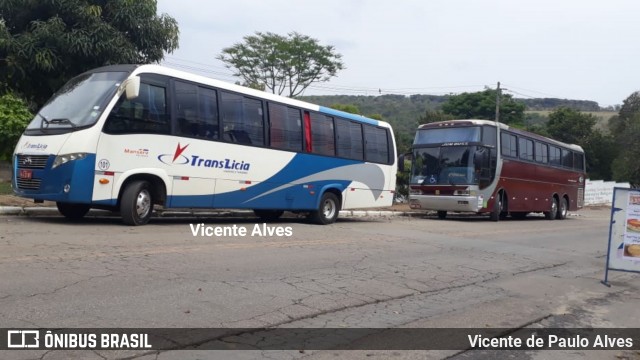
498 93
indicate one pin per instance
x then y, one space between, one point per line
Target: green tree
430 116
626 166
482 105
14 117
350 108
284 64
45 43
570 126
574 127
626 130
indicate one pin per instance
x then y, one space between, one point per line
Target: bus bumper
70 182
446 203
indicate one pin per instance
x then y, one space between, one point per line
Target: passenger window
322 136
242 119
285 127
376 144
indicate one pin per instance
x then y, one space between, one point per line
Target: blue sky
586 50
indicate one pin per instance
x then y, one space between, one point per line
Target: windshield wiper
62 121
44 120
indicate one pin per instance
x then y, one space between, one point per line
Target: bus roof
163 70
503 127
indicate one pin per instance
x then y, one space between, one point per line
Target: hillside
403 112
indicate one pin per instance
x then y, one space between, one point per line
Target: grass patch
5 188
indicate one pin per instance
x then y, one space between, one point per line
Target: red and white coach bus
456 168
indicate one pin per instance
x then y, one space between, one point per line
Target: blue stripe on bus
346 115
298 185
78 174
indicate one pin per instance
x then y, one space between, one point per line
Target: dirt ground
12 200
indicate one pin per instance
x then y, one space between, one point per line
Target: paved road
357 273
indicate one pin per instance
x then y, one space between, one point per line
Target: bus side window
242 119
322 135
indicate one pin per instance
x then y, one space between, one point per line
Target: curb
52 211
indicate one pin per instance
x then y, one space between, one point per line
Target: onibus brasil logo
177 158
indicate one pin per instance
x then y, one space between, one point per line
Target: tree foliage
14 117
570 126
45 43
626 131
284 64
574 127
482 105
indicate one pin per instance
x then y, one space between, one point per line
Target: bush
14 117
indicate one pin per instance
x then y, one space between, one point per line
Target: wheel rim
554 207
563 208
143 203
328 209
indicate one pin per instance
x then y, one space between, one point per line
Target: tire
268 215
136 205
73 211
498 208
328 210
553 213
562 209
442 214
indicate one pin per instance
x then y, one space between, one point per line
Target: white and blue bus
128 137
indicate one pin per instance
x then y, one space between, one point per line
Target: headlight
62 159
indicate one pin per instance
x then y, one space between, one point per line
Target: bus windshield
447 135
449 165
78 104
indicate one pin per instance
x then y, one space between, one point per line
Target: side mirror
132 87
402 158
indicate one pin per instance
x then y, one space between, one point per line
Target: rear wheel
328 211
442 214
553 213
563 209
73 211
268 215
136 204
498 208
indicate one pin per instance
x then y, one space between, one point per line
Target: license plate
25 174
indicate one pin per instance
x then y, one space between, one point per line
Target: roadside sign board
623 252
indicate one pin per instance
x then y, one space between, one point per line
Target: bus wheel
550 215
562 210
328 211
136 205
442 214
73 211
498 208
268 215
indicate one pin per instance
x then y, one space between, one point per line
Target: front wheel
73 211
328 211
136 204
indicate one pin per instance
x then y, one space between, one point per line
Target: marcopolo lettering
219 164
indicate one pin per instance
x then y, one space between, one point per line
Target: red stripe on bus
307 131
